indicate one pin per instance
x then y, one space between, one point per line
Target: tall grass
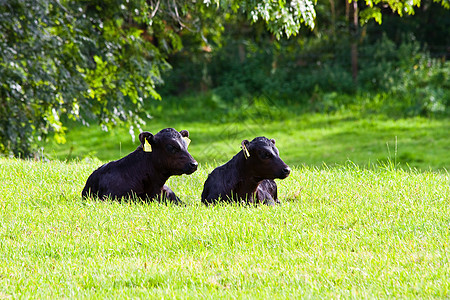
344 231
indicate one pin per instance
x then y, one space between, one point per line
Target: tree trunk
333 16
347 10
241 52
354 37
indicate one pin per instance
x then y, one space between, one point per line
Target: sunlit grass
344 231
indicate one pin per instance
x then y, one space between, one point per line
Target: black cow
142 173
248 176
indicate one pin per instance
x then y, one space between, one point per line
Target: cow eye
267 155
172 149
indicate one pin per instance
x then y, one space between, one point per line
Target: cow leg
267 192
264 197
168 195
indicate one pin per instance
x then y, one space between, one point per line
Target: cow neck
247 181
154 175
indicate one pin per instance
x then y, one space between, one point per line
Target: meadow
341 231
364 214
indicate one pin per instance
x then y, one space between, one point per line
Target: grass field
364 214
341 232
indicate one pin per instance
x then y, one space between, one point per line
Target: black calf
248 176
143 172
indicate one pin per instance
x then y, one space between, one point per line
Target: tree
98 60
361 15
64 59
93 60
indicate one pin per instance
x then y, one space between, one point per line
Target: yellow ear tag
246 153
147 146
188 141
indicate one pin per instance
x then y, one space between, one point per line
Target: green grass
217 129
365 212
341 232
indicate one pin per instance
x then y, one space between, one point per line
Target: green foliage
398 59
423 89
343 232
281 17
400 7
371 13
73 59
404 72
99 61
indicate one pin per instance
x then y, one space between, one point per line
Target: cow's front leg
168 195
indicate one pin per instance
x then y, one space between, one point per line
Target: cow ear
244 145
184 133
146 136
273 141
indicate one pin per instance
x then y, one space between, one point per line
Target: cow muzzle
190 167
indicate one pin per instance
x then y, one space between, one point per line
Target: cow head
262 159
168 149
